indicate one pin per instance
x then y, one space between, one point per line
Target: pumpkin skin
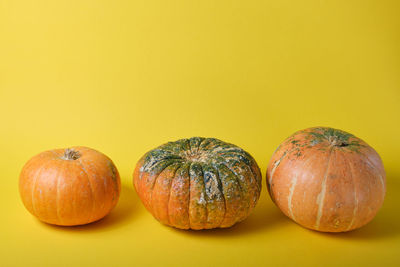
327 180
198 183
68 187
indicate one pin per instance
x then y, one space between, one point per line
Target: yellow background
125 76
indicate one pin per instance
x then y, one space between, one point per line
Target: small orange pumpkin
327 180
198 183
71 186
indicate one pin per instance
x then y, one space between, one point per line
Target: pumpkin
198 183
71 186
327 180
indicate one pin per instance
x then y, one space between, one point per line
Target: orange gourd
71 186
198 183
327 180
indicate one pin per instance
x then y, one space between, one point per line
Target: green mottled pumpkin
198 183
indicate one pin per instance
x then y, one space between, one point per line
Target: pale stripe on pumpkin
36 175
58 196
355 198
91 190
321 195
273 170
291 191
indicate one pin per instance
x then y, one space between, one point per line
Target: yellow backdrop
125 76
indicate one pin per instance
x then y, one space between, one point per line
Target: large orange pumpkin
198 183
71 186
327 180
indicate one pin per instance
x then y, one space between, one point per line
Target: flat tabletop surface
126 76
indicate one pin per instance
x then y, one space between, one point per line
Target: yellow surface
125 76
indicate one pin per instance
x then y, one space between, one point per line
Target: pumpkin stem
71 154
335 141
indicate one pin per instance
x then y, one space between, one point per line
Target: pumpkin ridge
198 203
201 141
91 190
185 146
114 174
321 195
115 180
225 190
355 209
188 208
194 145
242 198
257 182
290 197
161 213
249 158
137 181
142 161
169 192
234 154
223 147
34 184
248 165
58 197
167 163
233 172
155 180
205 193
214 191
170 157
372 166
24 173
205 145
190 147
257 175
151 162
276 165
221 190
369 162
245 182
290 206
